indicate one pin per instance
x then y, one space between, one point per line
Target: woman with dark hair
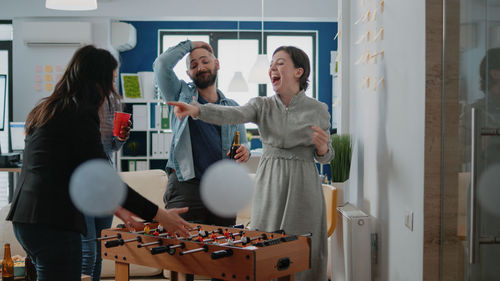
293 129
489 72
62 132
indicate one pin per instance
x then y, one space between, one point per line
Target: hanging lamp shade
260 69
259 72
238 83
71 5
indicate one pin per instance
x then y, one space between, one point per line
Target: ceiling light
71 5
238 83
259 71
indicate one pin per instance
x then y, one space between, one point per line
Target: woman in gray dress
293 129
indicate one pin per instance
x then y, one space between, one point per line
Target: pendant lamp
71 5
238 83
259 72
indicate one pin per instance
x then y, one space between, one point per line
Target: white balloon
488 189
226 188
96 189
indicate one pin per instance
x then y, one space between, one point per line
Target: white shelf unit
146 117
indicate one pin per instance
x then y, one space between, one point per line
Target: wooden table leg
286 278
177 276
121 271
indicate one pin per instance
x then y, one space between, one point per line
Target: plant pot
342 188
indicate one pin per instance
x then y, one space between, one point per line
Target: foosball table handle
162 249
221 254
113 243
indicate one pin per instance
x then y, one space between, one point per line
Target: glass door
471 202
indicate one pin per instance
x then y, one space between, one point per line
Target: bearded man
195 144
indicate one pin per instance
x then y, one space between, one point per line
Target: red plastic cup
121 118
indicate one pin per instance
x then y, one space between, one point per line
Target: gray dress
288 191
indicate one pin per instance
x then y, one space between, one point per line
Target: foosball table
217 252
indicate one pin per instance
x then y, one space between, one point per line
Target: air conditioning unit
57 33
123 36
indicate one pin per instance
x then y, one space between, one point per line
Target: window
233 56
6 68
5 31
240 55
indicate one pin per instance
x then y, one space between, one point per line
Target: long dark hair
87 82
300 60
489 62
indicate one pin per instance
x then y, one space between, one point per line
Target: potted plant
249 139
133 147
341 163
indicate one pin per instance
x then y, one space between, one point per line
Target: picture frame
131 88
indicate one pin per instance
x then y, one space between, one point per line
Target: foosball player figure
202 232
200 238
258 240
213 236
160 228
146 229
156 233
227 234
244 239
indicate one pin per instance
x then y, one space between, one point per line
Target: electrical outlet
409 220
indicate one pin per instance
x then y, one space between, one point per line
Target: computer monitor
3 93
17 135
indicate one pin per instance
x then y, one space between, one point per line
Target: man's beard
203 82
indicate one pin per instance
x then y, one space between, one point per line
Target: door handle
489 240
472 198
490 132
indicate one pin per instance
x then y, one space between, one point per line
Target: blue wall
141 57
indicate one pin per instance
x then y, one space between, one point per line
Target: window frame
6 45
215 35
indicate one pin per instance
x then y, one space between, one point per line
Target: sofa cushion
243 216
152 185
149 183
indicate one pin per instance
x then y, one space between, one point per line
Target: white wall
27 58
388 129
316 10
